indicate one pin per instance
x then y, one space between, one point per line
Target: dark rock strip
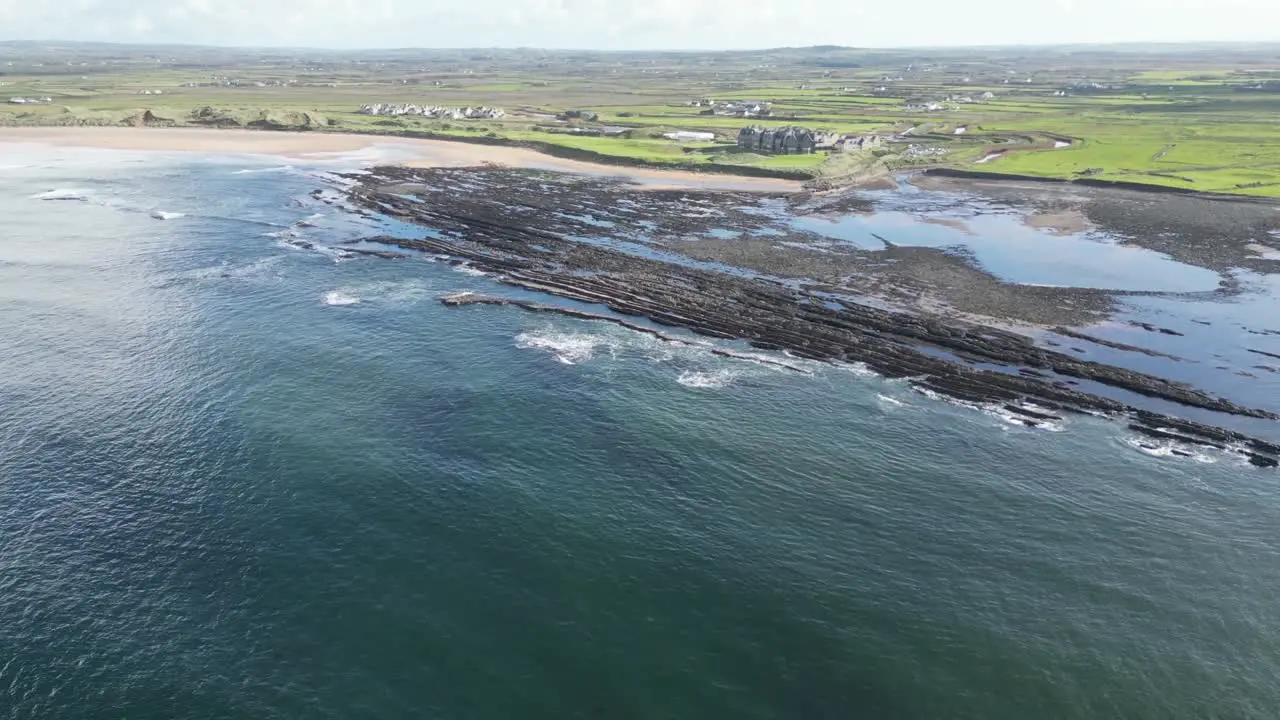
1067 332
384 254
771 316
1152 328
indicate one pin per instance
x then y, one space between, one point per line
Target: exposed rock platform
529 248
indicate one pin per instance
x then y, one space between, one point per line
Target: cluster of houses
931 106
237 82
922 151
733 108
969 99
802 141
924 107
849 143
784 140
30 101
434 111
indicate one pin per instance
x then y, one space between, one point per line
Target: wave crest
335 298
63 194
714 379
569 348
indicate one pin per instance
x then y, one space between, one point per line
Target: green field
1194 117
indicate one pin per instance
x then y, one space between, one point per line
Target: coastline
923 178
937 351
424 150
414 152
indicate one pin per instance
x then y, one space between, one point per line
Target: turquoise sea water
243 480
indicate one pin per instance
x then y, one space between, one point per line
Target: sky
637 24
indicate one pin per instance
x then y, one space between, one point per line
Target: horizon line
780 48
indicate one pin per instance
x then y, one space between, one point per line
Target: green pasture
1204 120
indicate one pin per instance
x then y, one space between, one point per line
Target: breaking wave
889 402
162 215
1000 412
64 194
568 348
1006 415
257 171
1169 449
715 379
338 299
466 269
860 369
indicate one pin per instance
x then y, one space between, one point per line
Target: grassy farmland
1193 117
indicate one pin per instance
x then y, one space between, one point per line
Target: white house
689 136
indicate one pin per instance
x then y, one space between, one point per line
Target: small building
852 143
689 136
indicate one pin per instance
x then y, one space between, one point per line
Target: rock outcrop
962 360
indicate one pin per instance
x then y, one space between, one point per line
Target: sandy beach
414 152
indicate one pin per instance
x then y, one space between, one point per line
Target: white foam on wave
932 395
245 271
257 171
1169 449
1017 419
390 292
860 369
466 269
800 365
334 298
64 194
697 362
162 215
309 221
569 348
714 379
890 402
999 411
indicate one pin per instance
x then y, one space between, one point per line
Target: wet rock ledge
959 359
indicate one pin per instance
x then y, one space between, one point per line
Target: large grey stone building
778 141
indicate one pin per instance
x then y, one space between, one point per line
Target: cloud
634 23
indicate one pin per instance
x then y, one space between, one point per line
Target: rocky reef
607 246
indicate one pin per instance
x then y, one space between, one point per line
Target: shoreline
414 152
426 150
987 176
935 351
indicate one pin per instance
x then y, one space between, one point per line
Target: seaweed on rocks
536 242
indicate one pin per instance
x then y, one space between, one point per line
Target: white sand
408 151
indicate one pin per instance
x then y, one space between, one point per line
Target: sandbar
415 152
1066 222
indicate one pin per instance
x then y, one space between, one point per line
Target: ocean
243 475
